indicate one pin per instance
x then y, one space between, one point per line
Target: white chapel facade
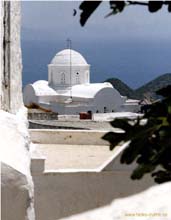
68 89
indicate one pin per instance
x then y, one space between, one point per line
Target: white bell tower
68 68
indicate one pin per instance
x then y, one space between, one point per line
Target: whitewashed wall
153 203
16 100
59 195
54 75
16 181
11 64
1 51
108 98
54 136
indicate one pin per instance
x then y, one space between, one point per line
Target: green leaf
117 6
114 139
161 176
165 92
142 169
154 6
122 124
87 7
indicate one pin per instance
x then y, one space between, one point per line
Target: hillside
147 90
154 85
121 87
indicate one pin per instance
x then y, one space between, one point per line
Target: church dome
63 58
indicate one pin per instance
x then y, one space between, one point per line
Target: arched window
87 76
62 78
50 76
77 78
105 109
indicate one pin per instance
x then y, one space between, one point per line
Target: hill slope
147 90
154 85
121 87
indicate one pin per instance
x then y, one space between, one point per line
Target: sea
133 62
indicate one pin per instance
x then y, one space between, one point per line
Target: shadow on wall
65 192
58 195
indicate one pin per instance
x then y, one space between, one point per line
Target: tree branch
137 3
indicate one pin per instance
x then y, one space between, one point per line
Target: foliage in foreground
88 7
150 143
150 138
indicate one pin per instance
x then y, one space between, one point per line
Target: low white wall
153 203
66 192
113 115
134 107
49 136
59 195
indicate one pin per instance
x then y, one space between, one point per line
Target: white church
69 91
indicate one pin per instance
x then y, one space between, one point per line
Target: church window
77 78
50 76
63 78
87 76
105 109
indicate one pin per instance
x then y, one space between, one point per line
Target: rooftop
68 56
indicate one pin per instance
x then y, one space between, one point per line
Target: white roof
42 88
89 90
63 58
132 101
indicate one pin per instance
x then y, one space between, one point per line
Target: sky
56 20
131 35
